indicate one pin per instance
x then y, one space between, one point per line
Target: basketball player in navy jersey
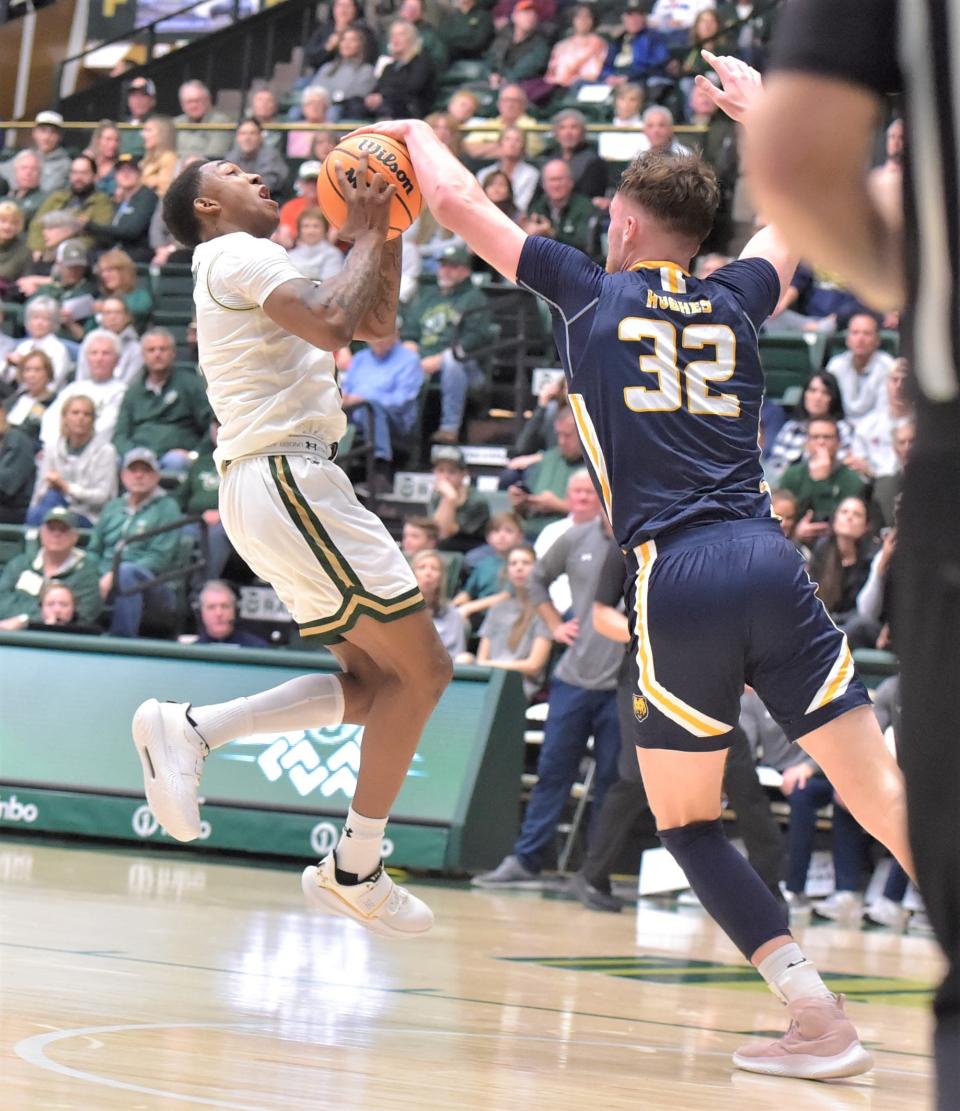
665 381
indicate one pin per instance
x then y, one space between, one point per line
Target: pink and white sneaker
821 1043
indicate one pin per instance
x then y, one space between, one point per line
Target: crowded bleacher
459 434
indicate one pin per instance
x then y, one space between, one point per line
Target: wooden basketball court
150 982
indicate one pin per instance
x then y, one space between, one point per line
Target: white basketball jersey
264 384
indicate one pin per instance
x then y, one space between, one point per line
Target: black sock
351 879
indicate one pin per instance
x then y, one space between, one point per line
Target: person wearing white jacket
102 350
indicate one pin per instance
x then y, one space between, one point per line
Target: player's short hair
679 190
178 212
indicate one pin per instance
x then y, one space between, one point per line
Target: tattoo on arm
354 289
383 311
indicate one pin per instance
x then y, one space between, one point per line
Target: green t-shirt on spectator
821 495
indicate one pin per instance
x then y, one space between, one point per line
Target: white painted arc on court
33 1051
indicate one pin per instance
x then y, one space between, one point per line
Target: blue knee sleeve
731 891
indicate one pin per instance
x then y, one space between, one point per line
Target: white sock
307 702
358 850
790 976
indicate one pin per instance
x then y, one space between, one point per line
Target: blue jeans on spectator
457 377
175 461
385 427
849 840
128 611
53 499
575 715
218 549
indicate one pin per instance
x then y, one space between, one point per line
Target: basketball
387 157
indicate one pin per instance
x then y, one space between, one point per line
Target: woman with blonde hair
26 407
117 275
447 129
431 576
104 149
159 163
78 470
15 257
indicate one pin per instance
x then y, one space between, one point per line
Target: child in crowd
431 573
420 534
486 581
460 512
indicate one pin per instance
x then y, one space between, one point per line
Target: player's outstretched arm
339 310
455 198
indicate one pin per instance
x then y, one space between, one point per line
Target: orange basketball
387 157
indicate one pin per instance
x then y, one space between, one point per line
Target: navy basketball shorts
714 606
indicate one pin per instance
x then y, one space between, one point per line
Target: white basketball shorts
296 521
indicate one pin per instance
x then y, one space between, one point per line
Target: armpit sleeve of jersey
242 278
853 40
568 281
754 283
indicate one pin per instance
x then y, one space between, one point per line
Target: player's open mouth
265 195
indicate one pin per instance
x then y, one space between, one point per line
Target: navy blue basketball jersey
665 383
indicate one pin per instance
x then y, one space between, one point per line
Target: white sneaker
376 903
845 907
885 912
172 754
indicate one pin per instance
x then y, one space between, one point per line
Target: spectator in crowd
101 352
58 612
17 473
199 496
81 198
196 109
584 506
524 177
886 489
520 51
498 187
71 286
537 433
433 44
104 149
26 407
141 104
513 636
466 31
445 325
463 106
160 162
447 130
14 253
47 138
658 132
559 212
77 470
889 175
419 535
873 454
380 388
486 578
253 156
135 203
512 103
587 168
323 43
538 488
574 60
114 316
218 618
58 559
141 507
582 702
40 320
406 85
752 25
167 410
314 109
117 277
840 562
814 302
305 198
719 150
25 191
784 507
459 511
820 481
670 16
820 398
862 369
313 254
869 627
503 9
638 53
706 33
264 108
431 574
346 80
623 145
323 143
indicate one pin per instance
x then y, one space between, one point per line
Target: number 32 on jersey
698 374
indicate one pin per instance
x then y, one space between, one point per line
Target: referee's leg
927 629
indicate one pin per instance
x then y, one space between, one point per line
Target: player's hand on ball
368 202
742 85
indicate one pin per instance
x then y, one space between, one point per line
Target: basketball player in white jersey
265 335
